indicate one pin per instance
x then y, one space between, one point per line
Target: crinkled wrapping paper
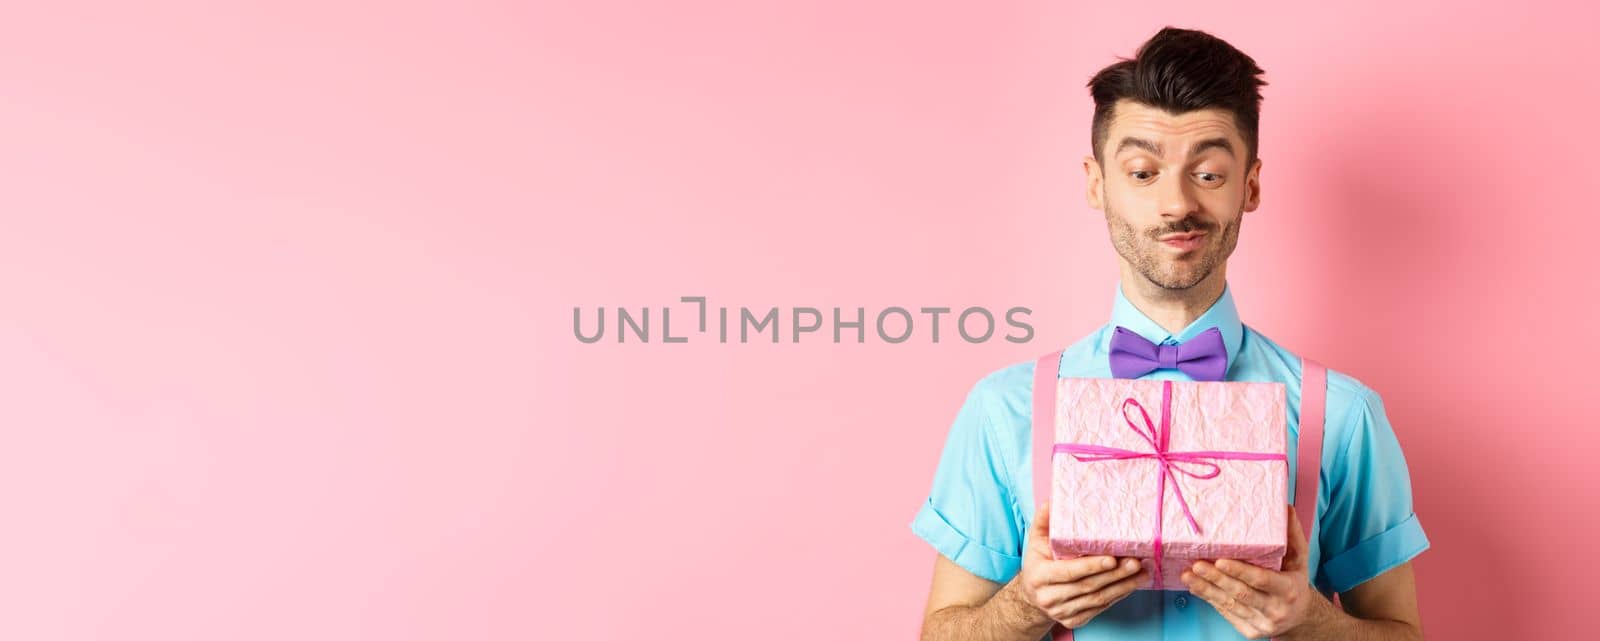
1108 507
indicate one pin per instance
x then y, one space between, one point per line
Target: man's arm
1382 609
1263 603
1369 525
963 605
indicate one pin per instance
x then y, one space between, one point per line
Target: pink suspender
1045 374
1308 471
1313 402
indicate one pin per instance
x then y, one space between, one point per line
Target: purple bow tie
1203 358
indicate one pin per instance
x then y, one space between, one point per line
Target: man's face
1174 190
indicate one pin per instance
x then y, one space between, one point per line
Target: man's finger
1256 577
1239 581
1073 620
1060 570
1080 568
1223 602
1100 580
1236 588
1295 559
1106 597
1199 587
1039 532
1241 625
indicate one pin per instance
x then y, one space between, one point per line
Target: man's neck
1172 309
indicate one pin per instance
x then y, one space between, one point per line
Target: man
1174 169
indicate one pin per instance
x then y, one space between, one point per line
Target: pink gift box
1105 476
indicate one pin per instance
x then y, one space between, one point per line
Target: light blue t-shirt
978 512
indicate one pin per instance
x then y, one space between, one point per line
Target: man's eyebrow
1209 143
1155 148
1129 141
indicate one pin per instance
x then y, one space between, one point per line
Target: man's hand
1072 591
1262 603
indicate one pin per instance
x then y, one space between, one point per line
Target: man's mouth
1183 242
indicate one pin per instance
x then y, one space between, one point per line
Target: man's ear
1093 186
1252 187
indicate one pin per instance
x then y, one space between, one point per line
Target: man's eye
1139 174
1209 178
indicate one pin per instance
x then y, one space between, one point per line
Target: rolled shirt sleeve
1368 526
967 515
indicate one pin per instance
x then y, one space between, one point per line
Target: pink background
288 290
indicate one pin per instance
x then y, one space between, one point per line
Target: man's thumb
1039 532
1040 528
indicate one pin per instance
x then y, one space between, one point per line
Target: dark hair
1181 70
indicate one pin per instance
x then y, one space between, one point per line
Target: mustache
1182 227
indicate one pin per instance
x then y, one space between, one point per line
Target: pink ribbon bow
1169 461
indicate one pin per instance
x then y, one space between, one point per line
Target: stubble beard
1157 264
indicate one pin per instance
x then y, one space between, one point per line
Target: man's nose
1177 197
